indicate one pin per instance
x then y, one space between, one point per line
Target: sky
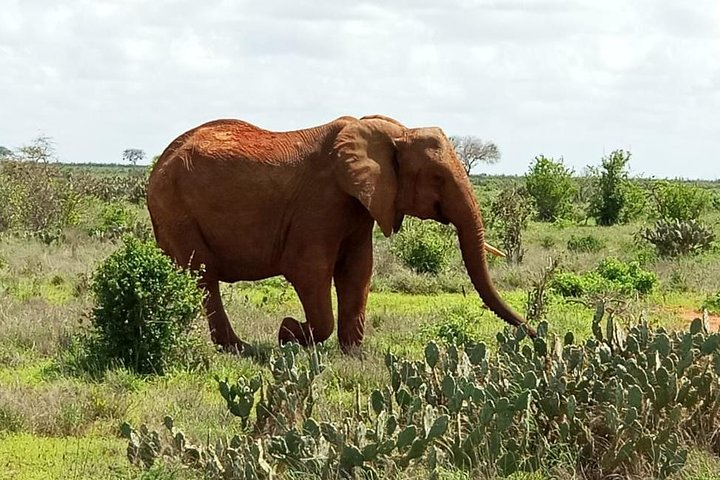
561 78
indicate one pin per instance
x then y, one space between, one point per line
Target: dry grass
37 327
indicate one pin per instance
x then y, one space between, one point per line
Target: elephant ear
366 167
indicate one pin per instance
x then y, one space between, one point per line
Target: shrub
547 242
636 201
678 281
511 212
673 237
552 188
679 201
117 220
610 276
536 305
716 201
37 199
568 284
144 309
712 304
614 197
423 246
457 327
627 275
587 243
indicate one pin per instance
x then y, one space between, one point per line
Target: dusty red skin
247 204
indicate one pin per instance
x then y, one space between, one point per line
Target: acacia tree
133 156
40 150
471 151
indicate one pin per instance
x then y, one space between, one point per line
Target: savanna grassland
60 419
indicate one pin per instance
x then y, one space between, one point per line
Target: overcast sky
570 78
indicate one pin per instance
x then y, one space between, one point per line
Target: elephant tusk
494 250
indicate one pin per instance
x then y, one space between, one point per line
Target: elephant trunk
466 218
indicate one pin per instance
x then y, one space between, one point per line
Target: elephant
236 202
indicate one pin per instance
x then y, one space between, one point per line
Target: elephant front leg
314 294
352 283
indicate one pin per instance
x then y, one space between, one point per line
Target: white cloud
558 77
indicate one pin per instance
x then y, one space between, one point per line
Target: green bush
619 404
586 243
615 199
457 327
547 242
712 304
674 237
37 199
116 220
610 276
552 188
679 201
511 212
636 201
423 246
715 201
144 310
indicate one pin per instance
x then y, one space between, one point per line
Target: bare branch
40 150
471 151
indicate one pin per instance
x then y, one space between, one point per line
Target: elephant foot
353 350
292 331
240 348
350 335
350 344
235 345
303 333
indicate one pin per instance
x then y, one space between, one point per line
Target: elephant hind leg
221 331
185 243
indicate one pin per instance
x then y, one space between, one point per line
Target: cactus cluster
620 402
287 401
285 436
624 401
673 237
240 458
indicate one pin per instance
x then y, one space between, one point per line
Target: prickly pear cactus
626 400
638 390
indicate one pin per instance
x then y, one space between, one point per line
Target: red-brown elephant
248 203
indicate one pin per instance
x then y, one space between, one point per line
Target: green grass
25 456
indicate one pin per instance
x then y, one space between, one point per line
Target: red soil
690 315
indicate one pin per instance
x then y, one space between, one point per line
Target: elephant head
395 171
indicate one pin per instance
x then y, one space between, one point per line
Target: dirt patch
688 316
